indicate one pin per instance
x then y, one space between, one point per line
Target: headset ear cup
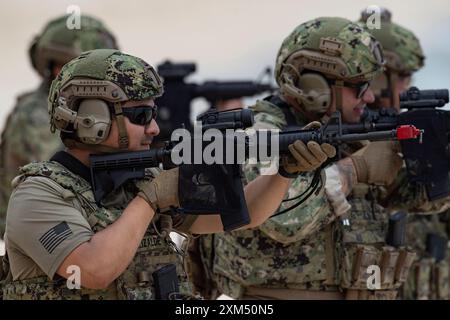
316 95
287 86
93 121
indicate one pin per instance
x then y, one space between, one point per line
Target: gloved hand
378 163
303 158
161 192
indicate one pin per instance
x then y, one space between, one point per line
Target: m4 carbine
217 188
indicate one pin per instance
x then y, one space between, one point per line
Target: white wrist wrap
333 190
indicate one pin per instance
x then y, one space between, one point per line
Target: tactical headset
311 89
91 122
82 106
302 76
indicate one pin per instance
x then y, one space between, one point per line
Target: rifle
217 188
427 160
174 105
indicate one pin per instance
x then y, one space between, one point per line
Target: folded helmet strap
338 85
123 136
394 96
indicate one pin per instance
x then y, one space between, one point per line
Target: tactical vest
154 252
336 256
361 250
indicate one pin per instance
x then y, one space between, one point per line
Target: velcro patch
53 237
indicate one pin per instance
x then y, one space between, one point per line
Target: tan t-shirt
44 224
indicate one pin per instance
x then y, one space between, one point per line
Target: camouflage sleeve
403 195
307 218
27 137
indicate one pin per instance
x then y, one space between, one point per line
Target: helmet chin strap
394 97
338 85
123 136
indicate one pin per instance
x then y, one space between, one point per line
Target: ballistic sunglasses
140 115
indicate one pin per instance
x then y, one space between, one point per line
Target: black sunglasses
361 87
141 115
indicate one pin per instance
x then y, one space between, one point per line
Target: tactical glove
161 192
303 158
377 163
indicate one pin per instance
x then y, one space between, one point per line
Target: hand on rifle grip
161 192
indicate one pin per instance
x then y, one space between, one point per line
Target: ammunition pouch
421 281
441 280
370 295
393 267
405 261
429 280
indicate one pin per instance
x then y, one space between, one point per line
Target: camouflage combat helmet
108 75
335 48
59 44
401 47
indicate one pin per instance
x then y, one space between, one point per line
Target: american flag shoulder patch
53 237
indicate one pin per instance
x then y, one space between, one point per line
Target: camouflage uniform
307 252
137 81
26 136
306 249
428 278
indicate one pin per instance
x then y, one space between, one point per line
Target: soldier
320 249
428 279
404 56
53 222
26 136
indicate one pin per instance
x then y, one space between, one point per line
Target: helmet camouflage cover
57 43
401 47
131 77
105 74
334 47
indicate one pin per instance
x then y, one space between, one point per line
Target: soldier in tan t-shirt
29 253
